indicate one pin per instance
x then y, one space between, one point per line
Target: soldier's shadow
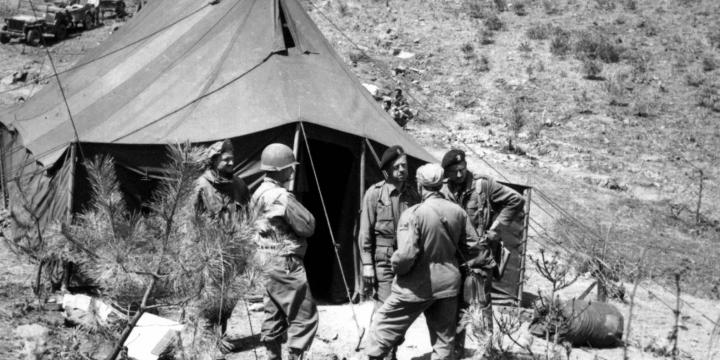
422 357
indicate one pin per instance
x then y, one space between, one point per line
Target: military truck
35 24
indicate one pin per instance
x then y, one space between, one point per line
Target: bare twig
638 277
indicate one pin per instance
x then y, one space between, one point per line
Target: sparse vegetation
494 23
482 64
709 62
695 77
592 69
485 36
520 8
541 31
709 95
560 44
525 47
551 7
591 44
606 5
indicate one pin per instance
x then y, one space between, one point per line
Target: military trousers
395 316
290 311
383 274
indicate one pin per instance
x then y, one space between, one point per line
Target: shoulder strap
444 221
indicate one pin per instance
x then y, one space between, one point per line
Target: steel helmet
276 157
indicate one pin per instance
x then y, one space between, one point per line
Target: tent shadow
245 343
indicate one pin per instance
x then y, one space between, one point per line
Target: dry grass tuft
709 95
560 44
592 69
494 23
593 45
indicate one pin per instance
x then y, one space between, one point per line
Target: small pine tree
169 256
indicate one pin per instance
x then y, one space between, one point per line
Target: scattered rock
405 55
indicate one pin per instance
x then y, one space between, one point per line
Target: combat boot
273 350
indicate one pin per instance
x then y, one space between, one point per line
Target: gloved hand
368 274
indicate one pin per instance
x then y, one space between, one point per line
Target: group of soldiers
418 241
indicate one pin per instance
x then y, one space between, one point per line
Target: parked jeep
80 13
53 22
117 7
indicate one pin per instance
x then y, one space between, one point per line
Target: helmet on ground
276 157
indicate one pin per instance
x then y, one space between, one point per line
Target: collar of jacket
394 188
272 181
214 178
467 186
431 195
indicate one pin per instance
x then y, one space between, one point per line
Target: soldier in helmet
219 193
431 241
491 208
283 225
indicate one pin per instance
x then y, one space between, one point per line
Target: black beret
390 155
453 157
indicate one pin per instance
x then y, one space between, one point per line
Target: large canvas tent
255 71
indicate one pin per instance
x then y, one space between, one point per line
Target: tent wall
36 196
508 289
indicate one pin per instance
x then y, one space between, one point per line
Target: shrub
494 23
595 46
500 5
486 36
714 37
630 5
560 44
482 64
475 9
520 8
539 31
709 95
524 47
694 77
709 62
468 50
551 7
606 5
592 69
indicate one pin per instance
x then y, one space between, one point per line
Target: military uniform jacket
283 223
219 198
426 263
382 205
490 206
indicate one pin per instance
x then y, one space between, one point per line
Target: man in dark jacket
219 192
491 208
426 265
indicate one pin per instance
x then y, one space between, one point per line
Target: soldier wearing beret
382 205
491 207
430 236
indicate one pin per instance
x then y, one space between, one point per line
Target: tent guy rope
361 330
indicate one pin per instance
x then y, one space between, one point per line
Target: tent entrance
337 173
